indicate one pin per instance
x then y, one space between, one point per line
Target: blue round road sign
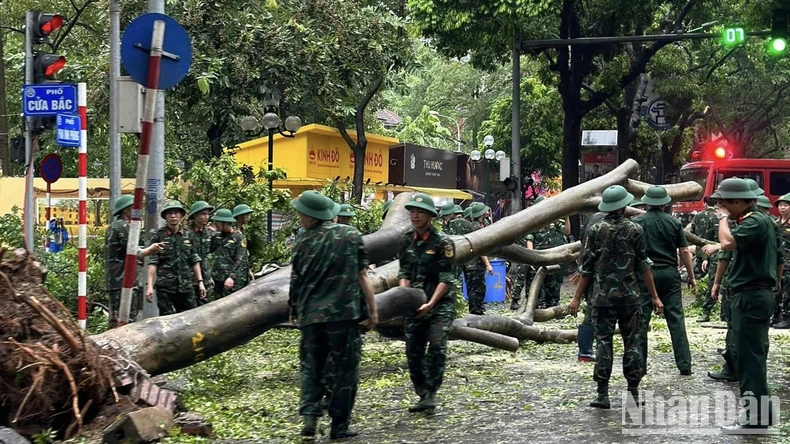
136 50
51 168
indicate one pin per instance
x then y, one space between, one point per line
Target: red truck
773 175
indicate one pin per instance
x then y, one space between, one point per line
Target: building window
780 183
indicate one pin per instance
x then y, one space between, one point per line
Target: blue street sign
67 130
49 99
176 50
51 168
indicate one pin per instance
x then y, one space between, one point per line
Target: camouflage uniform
586 327
547 237
475 273
327 302
174 274
706 226
614 254
244 270
784 237
425 264
230 251
519 274
115 240
202 239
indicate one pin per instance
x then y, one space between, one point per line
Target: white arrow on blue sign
49 100
67 130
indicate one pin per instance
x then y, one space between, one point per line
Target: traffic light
44 65
720 152
733 36
777 44
44 24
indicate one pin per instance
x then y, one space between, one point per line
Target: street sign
176 50
51 167
67 130
49 99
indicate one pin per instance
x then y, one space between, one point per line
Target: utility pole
515 148
115 72
30 209
5 162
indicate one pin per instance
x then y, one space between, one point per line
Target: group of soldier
187 265
629 268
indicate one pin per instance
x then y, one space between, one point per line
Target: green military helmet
314 204
614 198
423 202
346 210
122 203
223 215
199 206
387 206
656 196
636 203
241 210
172 205
785 199
764 202
336 207
468 212
755 187
458 210
540 199
478 209
447 209
734 188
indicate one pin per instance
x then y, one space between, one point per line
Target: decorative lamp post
271 123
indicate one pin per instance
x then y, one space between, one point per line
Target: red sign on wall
596 164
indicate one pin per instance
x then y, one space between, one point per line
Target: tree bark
514 328
526 314
5 157
491 339
551 256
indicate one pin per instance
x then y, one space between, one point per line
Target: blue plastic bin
495 283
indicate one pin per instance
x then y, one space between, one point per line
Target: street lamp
457 128
489 154
271 123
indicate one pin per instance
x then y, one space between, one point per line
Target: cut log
507 230
168 343
677 191
526 313
491 339
557 255
383 244
551 313
511 327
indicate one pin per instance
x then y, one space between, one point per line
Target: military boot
634 397
427 402
783 324
585 341
705 317
602 400
309 426
430 401
724 375
514 304
340 430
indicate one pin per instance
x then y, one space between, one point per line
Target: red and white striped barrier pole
82 246
130 266
47 213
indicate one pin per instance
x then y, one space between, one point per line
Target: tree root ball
50 375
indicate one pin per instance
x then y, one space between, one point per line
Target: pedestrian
201 234
329 297
230 250
753 277
475 269
614 254
665 240
243 214
175 269
783 205
586 332
705 225
345 214
425 264
116 239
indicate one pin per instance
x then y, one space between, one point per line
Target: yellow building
319 153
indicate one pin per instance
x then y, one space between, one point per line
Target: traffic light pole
583 41
30 209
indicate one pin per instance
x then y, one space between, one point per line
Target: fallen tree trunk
551 313
511 327
557 255
507 230
168 343
677 191
528 313
491 339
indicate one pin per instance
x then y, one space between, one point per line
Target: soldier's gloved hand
229 283
202 289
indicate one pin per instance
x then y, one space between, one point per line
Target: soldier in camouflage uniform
425 264
201 233
764 205
475 270
230 250
783 204
614 254
243 213
115 239
706 226
519 274
665 240
586 332
329 296
447 213
547 237
345 214
174 270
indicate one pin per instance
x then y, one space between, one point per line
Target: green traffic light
778 45
734 35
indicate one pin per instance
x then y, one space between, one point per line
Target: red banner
596 164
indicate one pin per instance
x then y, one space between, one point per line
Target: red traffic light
45 24
696 155
46 65
720 153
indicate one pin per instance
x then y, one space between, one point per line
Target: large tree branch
65 32
609 104
718 64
